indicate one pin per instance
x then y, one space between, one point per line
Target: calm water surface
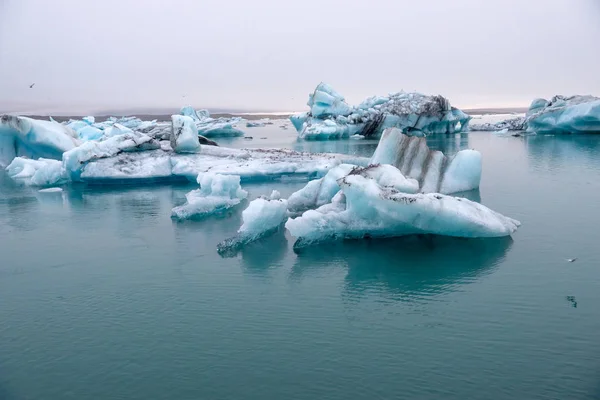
103 296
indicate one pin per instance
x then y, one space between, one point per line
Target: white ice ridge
498 122
433 171
26 137
375 210
330 117
217 193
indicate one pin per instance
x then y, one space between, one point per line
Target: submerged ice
330 117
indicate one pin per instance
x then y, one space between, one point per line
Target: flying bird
571 259
31 86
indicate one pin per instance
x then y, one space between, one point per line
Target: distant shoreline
255 116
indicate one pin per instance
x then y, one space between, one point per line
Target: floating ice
22 136
320 191
51 190
184 136
510 124
216 194
261 218
435 172
376 211
41 172
327 102
212 127
414 113
575 114
258 123
76 159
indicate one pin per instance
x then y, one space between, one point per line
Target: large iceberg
31 138
574 114
330 117
373 209
217 193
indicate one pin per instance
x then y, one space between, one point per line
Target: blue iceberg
330 117
31 138
574 114
373 209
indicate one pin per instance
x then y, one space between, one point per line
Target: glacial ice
22 136
51 190
216 194
574 114
517 123
330 117
262 217
184 137
373 210
40 172
258 123
319 192
212 127
435 172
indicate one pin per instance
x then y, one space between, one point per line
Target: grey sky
89 55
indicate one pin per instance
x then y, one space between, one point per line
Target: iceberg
184 136
41 172
262 217
26 137
212 127
434 172
374 210
574 114
258 123
511 124
216 194
76 159
330 117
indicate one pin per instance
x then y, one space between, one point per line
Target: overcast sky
259 55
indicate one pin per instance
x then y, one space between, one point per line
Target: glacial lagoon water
103 296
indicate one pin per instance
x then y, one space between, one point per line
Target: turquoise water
103 296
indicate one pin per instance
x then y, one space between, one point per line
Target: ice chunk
320 191
184 136
74 160
41 172
325 101
212 127
575 114
261 218
217 193
298 120
258 123
487 123
22 136
51 190
463 172
414 159
414 113
376 211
